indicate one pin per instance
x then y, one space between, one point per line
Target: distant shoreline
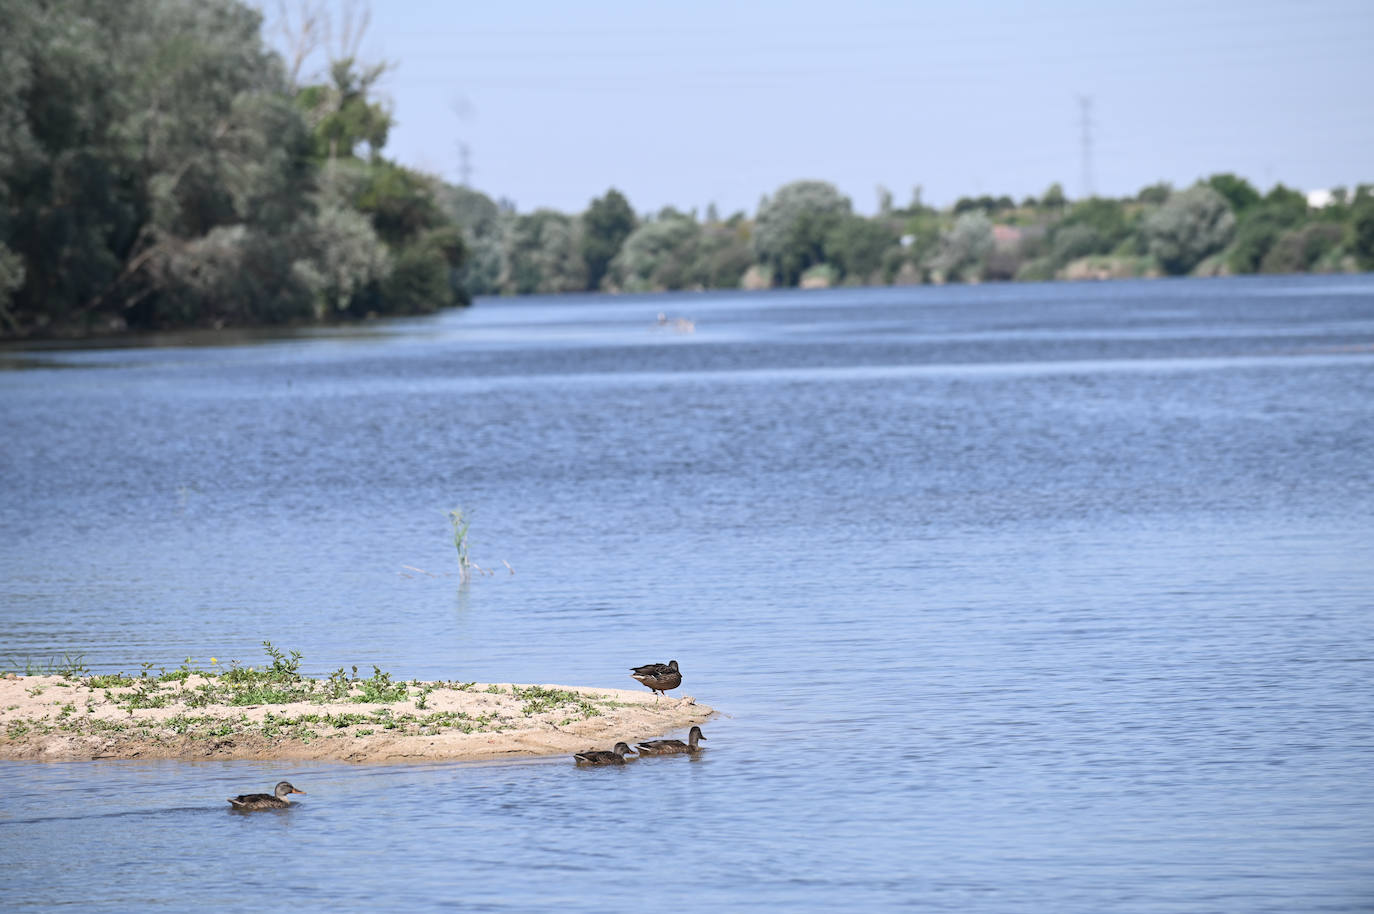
56 718
55 337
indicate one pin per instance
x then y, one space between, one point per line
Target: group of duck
660 677
616 755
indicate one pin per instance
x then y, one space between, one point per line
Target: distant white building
1316 199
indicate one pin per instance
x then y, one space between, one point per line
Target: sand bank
51 718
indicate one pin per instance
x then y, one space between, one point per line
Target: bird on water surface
658 676
672 746
601 757
277 799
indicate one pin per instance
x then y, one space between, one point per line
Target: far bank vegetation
166 164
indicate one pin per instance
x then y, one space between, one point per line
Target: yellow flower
213 660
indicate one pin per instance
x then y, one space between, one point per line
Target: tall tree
606 224
792 227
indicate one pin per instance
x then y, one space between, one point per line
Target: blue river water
1021 597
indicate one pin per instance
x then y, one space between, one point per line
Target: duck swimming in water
275 800
601 757
658 676
673 746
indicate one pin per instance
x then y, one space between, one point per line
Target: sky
689 104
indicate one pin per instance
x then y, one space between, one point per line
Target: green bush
1298 250
1188 227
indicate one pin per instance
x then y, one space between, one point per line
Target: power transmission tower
1085 120
464 165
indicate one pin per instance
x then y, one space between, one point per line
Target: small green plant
284 669
338 685
181 673
380 688
423 701
72 667
537 699
109 681
147 694
460 542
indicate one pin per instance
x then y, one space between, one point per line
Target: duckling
275 800
601 757
658 676
672 746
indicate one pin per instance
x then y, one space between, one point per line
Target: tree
401 203
1299 249
1287 197
985 203
484 227
606 224
127 162
1091 226
1361 230
1074 241
475 212
1155 193
346 258
965 247
1257 232
1239 193
1053 198
11 278
723 254
856 247
659 255
340 113
544 254
425 275
792 226
1190 226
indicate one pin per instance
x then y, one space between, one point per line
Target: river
1051 597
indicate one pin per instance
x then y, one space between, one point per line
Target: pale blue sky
693 103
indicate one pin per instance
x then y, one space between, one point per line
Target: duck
658 676
672 746
277 799
601 757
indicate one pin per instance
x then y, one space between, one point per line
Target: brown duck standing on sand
658 676
601 757
275 800
672 746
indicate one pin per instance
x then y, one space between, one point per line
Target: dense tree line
158 169
806 233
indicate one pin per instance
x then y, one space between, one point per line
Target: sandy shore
51 718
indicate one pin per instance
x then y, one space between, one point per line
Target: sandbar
197 717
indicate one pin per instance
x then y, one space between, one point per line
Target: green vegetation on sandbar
196 694
162 167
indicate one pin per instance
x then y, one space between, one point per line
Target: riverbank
205 716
